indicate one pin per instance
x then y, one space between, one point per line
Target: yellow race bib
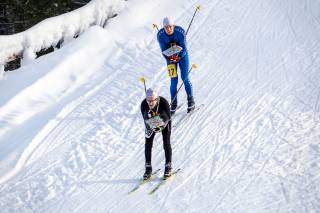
172 70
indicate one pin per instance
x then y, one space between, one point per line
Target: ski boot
173 106
167 171
148 172
191 104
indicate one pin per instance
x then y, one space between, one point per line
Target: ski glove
174 58
158 129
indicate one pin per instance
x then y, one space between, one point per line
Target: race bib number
172 70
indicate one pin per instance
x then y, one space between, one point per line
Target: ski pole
197 8
144 83
192 67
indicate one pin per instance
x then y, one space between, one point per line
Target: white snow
72 137
49 32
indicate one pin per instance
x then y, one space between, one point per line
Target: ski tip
176 171
157 170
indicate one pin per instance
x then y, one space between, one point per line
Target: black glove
158 129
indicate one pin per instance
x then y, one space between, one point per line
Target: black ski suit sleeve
144 109
165 110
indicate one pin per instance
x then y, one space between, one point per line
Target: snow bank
52 30
58 77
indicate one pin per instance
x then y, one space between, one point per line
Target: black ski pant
166 132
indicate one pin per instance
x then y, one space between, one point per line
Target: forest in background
18 15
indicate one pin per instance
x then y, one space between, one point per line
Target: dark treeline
19 15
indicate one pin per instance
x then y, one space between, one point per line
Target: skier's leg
148 149
168 151
166 133
173 88
147 153
173 92
184 68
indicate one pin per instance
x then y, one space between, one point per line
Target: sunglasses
150 101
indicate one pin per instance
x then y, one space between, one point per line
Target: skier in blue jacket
171 35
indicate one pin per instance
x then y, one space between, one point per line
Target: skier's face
169 29
152 102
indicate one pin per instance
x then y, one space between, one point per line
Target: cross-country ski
163 181
144 181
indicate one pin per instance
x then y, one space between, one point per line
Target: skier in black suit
155 111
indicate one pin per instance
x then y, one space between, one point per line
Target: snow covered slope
72 137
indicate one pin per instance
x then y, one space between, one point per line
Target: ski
163 181
188 115
142 181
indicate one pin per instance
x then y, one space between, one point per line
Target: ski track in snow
253 147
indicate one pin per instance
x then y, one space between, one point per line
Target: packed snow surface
72 137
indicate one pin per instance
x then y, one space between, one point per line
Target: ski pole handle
155 26
144 83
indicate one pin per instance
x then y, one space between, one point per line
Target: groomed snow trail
254 147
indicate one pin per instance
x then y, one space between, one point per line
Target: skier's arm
143 109
162 44
160 41
182 43
165 113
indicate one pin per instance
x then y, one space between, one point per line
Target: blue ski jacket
178 37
